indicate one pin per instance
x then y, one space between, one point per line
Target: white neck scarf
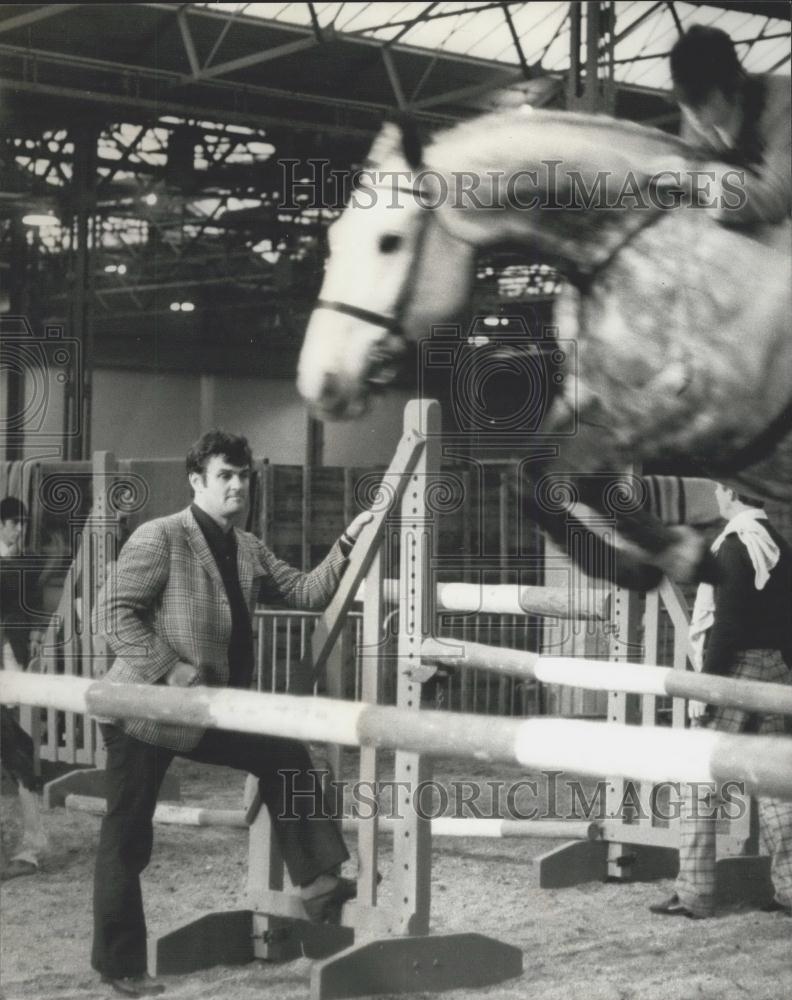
763 553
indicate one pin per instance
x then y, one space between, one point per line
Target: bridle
393 323
580 275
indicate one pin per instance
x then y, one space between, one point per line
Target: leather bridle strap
390 323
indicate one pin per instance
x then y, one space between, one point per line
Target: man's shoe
774 906
17 867
673 908
325 907
134 986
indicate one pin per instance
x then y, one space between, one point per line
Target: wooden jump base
443 826
507 599
762 763
600 675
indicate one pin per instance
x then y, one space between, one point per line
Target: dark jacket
165 602
747 618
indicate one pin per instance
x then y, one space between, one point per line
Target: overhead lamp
39 219
150 199
186 307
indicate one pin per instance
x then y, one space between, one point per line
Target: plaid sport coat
165 602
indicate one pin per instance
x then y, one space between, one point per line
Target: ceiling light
175 306
187 307
39 219
151 199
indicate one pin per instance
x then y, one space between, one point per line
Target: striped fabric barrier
762 763
603 675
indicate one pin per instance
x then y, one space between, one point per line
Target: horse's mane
509 140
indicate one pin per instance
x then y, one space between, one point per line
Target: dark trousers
310 842
16 750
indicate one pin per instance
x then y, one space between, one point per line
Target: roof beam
556 33
474 90
223 32
640 20
526 69
677 22
254 59
780 63
39 14
765 27
393 76
123 160
423 16
315 23
189 44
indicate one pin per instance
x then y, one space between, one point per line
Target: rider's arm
768 184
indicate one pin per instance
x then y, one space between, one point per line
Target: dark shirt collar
217 539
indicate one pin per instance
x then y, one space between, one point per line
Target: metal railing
283 639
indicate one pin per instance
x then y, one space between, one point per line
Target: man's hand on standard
183 675
350 535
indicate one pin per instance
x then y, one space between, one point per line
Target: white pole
763 764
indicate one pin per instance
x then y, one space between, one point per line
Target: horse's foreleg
595 555
679 551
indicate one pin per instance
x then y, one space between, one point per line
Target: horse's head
392 272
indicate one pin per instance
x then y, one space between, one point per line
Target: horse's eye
389 243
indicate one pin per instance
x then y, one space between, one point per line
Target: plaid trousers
695 884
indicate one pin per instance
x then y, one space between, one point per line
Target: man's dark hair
232 447
12 509
704 59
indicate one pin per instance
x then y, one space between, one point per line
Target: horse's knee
687 558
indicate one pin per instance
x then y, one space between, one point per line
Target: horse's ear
411 139
387 144
412 142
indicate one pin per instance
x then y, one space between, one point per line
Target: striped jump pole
474 826
602 675
508 599
762 763
442 826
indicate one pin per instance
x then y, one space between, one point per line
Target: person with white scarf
741 627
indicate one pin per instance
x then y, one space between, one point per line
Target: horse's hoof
639 576
686 558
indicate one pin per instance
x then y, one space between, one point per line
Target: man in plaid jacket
177 610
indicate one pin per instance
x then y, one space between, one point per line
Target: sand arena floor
592 942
